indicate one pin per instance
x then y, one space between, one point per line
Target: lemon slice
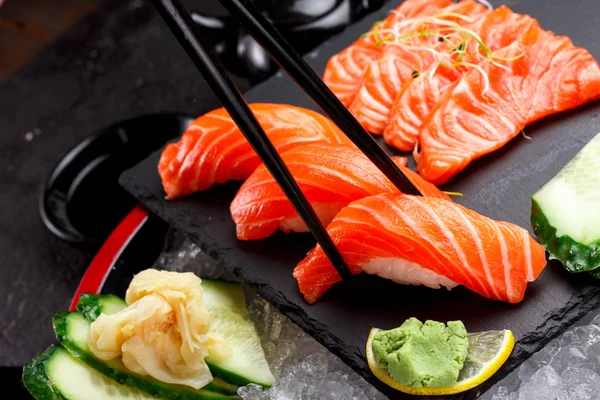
487 352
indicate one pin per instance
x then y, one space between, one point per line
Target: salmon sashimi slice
426 241
345 69
386 76
383 80
482 112
330 175
499 28
415 102
214 150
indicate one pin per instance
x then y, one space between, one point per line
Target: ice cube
537 361
338 376
181 255
579 384
252 392
593 354
501 394
596 320
305 347
589 334
527 370
359 396
259 310
570 356
291 386
178 255
569 338
315 365
276 325
545 384
546 354
313 369
332 390
371 393
280 392
283 352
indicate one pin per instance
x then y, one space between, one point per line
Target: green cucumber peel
576 257
91 305
36 379
56 375
71 330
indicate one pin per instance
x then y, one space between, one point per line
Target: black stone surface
499 186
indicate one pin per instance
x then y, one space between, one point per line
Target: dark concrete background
27 26
118 62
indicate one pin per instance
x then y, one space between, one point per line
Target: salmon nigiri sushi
345 70
214 150
485 109
330 175
499 28
426 241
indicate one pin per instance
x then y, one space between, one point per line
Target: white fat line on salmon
481 252
505 262
528 256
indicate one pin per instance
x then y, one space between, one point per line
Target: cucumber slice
91 305
56 375
72 330
565 213
226 303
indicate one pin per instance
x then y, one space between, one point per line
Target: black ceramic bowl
82 200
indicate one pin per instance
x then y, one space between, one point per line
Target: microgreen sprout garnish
415 74
443 37
457 194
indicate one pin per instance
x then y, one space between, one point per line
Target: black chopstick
181 24
294 65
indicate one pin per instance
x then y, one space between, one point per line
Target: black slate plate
498 186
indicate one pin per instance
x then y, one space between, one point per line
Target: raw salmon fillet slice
415 102
214 150
386 76
330 175
551 75
345 70
499 28
426 241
